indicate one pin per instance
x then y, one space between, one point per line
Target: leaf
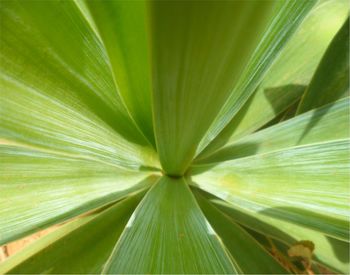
197 59
81 246
297 265
168 234
41 189
329 251
36 55
331 80
306 185
302 249
85 82
283 81
254 112
62 98
33 120
243 248
320 125
123 29
82 5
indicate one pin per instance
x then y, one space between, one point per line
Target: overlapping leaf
63 59
287 78
199 50
327 123
59 97
331 80
283 184
242 247
41 189
332 253
169 234
127 47
32 119
81 246
69 146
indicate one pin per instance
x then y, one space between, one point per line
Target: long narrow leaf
329 251
32 119
56 188
199 50
81 246
287 78
168 234
122 26
62 59
284 185
323 124
242 247
331 80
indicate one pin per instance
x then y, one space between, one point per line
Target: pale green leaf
62 60
243 249
89 90
329 122
40 189
286 79
32 119
168 233
331 80
58 97
307 185
197 59
81 246
122 26
255 112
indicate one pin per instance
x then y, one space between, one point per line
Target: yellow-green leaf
168 233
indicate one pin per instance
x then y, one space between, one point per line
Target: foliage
175 136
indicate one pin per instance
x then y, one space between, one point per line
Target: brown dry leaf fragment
302 249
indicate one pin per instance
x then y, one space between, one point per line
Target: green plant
175 136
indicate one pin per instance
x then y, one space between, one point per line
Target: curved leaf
62 60
123 29
286 20
31 119
284 81
57 97
331 80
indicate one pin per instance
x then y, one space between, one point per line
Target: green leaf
40 189
255 112
329 251
323 124
197 59
63 60
331 80
284 183
81 246
169 234
31 119
62 98
123 29
90 90
284 81
243 248
82 5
